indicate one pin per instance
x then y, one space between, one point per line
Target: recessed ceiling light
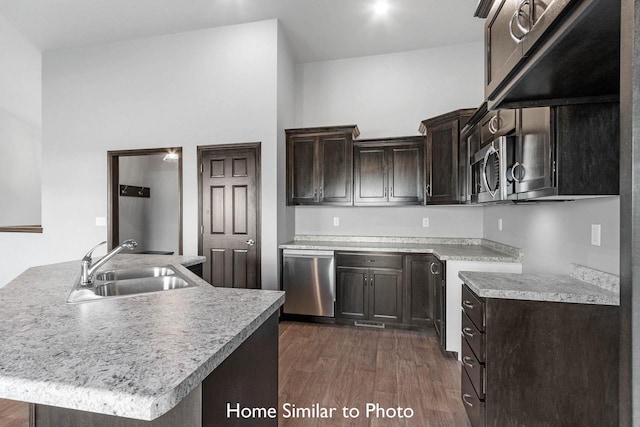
381 7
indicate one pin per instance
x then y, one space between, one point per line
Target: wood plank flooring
14 414
341 366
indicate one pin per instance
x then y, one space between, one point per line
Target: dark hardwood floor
340 366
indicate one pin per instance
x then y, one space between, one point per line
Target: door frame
113 203
257 149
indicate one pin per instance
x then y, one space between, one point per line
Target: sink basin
129 282
134 273
141 285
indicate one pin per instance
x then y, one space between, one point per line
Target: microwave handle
489 152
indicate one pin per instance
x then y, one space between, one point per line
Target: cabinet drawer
370 260
473 307
474 337
475 370
473 405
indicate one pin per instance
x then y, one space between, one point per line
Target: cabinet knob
435 273
466 402
467 361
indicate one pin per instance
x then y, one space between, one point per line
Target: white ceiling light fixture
381 7
171 157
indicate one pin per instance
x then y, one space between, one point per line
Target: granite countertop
133 357
538 287
444 251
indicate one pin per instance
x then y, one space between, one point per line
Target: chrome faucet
88 270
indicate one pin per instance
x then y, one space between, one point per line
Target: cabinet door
418 302
503 41
533 168
442 163
406 178
370 176
336 170
385 296
436 270
302 181
352 301
469 144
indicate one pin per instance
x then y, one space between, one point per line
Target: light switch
595 234
500 224
336 221
425 222
101 221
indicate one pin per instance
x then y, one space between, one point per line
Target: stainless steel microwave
491 178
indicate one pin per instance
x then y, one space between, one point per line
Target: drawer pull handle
467 361
435 273
466 402
467 304
468 332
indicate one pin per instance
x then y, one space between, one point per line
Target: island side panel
248 377
187 413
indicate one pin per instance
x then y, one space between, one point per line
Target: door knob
250 242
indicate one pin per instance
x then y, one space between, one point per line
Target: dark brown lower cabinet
369 293
539 363
419 290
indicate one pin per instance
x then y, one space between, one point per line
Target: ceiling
317 29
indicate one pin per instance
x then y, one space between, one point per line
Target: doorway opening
145 199
229 217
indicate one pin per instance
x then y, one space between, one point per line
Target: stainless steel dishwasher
309 282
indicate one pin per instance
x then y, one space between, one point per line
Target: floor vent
366 324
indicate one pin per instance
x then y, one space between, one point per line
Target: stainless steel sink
135 273
129 282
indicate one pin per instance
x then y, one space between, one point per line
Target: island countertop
134 357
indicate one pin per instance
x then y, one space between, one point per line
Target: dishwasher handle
306 253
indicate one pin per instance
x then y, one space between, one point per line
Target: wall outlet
101 221
595 234
336 221
500 224
425 222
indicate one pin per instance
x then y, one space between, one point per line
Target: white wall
444 221
555 234
286 119
213 86
20 124
389 95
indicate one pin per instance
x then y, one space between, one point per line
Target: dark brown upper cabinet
567 152
320 165
389 171
551 52
442 160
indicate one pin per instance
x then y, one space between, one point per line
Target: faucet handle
87 257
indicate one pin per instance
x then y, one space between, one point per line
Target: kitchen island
167 358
